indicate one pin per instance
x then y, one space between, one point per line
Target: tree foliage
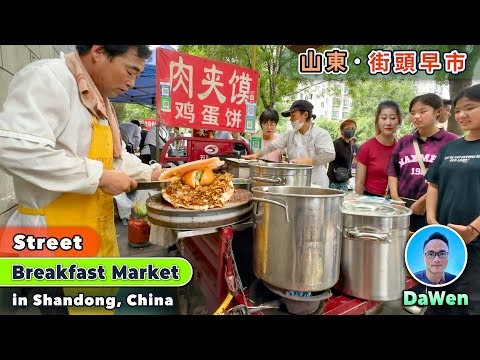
463 80
276 65
456 82
367 95
332 126
127 112
279 80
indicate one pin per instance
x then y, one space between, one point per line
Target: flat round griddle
237 209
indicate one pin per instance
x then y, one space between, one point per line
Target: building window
334 114
344 115
322 104
346 102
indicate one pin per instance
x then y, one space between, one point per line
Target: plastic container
138 231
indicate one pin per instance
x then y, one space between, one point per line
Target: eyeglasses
441 254
269 123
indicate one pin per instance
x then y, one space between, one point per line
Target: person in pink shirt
374 155
268 122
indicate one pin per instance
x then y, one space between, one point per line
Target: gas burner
301 305
263 293
316 295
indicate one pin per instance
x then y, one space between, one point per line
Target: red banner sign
149 123
195 92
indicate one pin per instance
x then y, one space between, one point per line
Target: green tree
456 82
277 67
332 126
462 80
367 95
127 112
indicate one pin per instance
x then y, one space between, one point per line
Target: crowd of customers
430 170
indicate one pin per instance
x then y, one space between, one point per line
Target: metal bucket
373 250
239 168
280 174
297 239
242 183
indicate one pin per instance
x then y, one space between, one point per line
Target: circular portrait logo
436 255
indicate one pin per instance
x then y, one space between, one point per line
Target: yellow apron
95 211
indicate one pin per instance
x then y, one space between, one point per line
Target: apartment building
332 101
329 98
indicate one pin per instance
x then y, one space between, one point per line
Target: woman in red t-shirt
374 154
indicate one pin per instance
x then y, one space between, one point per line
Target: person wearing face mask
339 170
305 143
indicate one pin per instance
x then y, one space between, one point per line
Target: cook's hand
114 182
464 231
156 173
302 161
250 157
418 207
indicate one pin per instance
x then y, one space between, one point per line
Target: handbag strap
419 157
351 157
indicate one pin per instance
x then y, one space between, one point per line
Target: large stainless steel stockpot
297 236
373 250
274 174
239 168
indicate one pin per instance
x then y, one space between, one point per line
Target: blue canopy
143 93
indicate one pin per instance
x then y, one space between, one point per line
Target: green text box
117 272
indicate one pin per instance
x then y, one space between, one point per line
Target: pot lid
239 162
373 209
276 166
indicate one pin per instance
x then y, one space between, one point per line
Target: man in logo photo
435 256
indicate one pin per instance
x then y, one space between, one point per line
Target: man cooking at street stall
305 143
60 140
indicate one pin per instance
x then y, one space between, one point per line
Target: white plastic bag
124 205
140 204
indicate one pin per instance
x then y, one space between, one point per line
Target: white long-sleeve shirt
45 136
316 143
316 139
